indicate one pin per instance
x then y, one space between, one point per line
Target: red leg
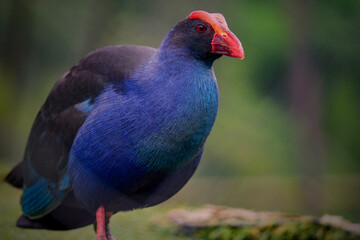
100 224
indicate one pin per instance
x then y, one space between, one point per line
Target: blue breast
157 126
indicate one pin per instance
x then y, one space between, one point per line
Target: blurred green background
287 133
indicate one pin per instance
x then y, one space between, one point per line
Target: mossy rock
223 223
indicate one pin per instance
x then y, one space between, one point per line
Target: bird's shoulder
114 62
86 79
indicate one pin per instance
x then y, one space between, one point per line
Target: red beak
226 43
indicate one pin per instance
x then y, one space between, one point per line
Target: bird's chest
180 122
179 132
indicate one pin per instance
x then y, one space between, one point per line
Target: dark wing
45 182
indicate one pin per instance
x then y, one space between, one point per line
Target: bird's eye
201 28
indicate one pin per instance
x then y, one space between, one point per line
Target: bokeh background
288 128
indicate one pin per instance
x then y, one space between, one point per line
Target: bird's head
206 35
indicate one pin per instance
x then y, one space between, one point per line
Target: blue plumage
164 129
125 128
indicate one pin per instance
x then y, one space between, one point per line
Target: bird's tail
62 218
15 177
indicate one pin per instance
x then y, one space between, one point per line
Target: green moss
287 231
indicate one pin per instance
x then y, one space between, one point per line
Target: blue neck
181 96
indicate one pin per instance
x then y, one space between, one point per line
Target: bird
123 129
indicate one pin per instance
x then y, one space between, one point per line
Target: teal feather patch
43 196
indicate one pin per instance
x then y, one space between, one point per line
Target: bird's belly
130 187
154 188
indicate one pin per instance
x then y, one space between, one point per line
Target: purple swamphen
124 128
